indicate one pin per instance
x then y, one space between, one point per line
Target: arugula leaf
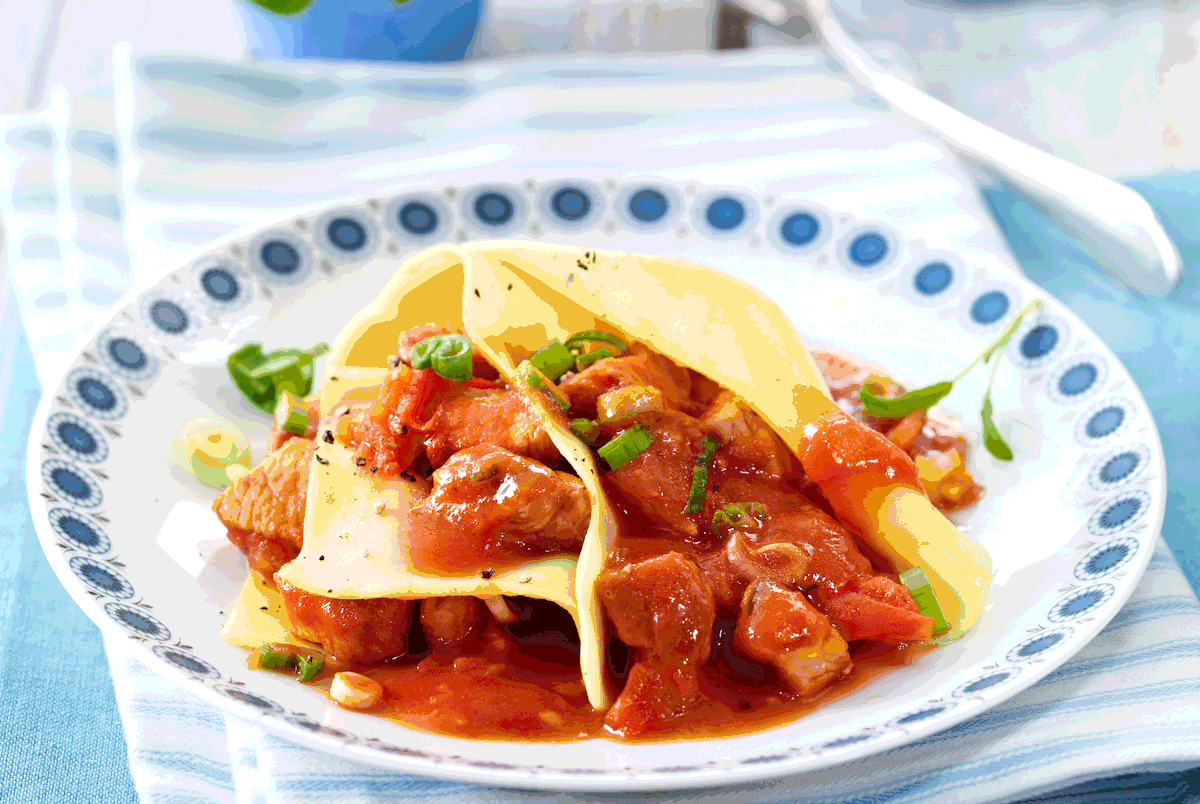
992 439
900 406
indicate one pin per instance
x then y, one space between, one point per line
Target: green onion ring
695 502
627 446
595 336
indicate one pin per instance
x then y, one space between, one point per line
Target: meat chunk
653 697
481 368
450 621
662 605
502 419
264 510
834 557
779 627
879 608
745 437
279 436
489 506
639 366
352 632
658 480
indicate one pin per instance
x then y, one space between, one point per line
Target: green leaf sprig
922 398
262 377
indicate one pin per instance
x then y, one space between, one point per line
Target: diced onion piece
208 447
291 413
627 446
922 592
586 429
620 404
695 503
576 341
553 359
735 515
538 381
355 691
585 360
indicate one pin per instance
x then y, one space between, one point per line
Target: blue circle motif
868 250
842 742
186 662
725 213
279 257
986 682
1081 602
1119 514
933 278
800 228
219 284
1039 341
417 218
123 355
73 434
493 208
137 621
168 316
1036 645
1077 379
1106 559
72 482
79 531
921 715
990 307
252 698
102 578
571 204
346 234
1119 467
648 205
96 394
1105 422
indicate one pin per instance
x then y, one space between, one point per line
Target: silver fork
1111 222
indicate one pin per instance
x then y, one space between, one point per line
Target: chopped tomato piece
858 616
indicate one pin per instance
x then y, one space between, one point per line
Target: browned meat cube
279 436
745 438
779 627
264 509
449 621
663 605
352 632
658 480
834 557
653 697
639 366
489 505
502 419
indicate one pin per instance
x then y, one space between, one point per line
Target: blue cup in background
379 30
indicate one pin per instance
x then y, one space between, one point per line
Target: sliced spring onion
922 592
736 514
309 666
448 355
540 382
291 413
261 377
585 360
623 403
210 448
306 663
576 341
553 359
275 659
586 429
695 502
627 446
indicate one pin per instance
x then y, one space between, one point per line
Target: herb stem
1001 340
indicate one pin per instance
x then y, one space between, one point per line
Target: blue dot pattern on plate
79 531
842 742
1105 421
1106 559
102 578
279 257
990 307
417 218
571 204
127 354
648 205
219 285
248 697
986 682
1078 379
168 316
72 482
96 394
799 229
933 278
1034 646
137 621
346 234
186 661
1119 468
1081 602
725 213
493 208
1039 341
74 435
913 718
1119 514
868 249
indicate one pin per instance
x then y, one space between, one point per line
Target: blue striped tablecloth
1119 722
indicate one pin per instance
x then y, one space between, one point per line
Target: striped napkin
170 178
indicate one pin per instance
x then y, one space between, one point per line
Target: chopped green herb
585 360
262 377
917 583
540 382
627 446
291 413
306 664
695 501
586 429
736 514
575 342
992 439
448 355
553 360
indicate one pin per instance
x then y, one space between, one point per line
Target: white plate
1070 523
